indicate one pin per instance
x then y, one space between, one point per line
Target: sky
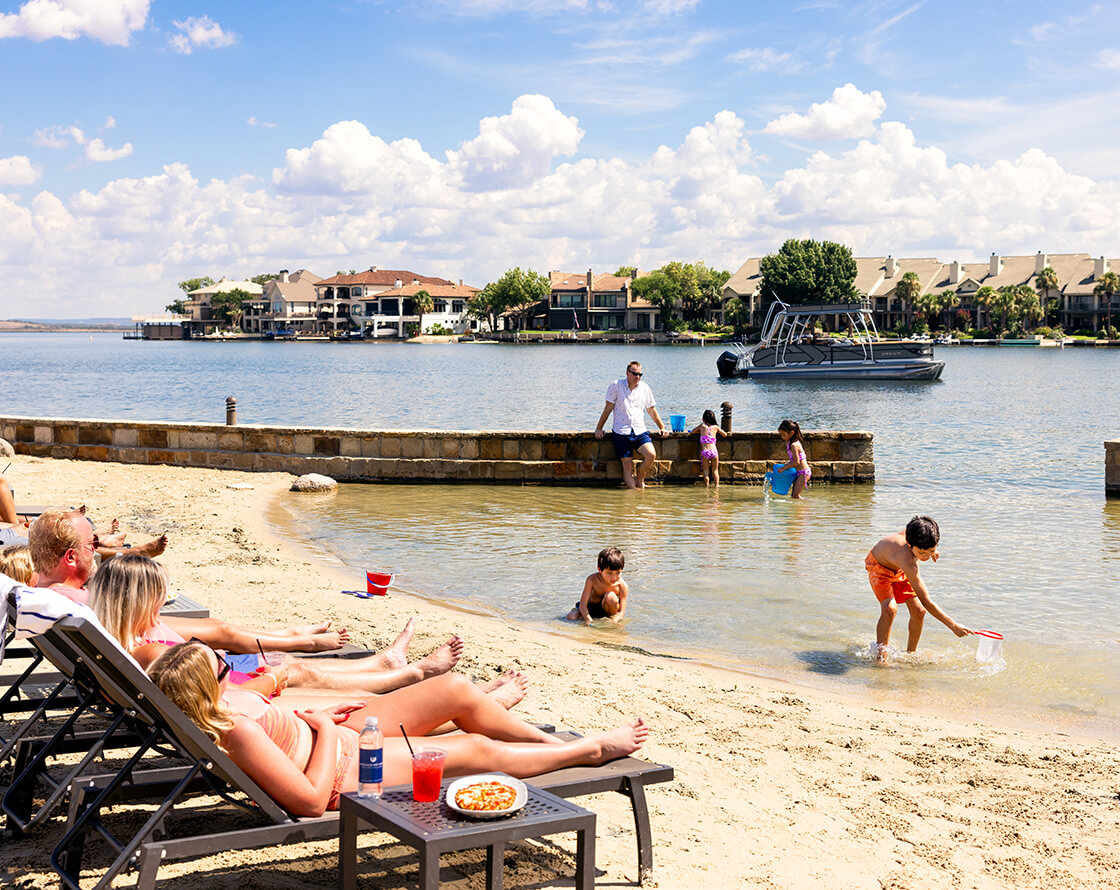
145 142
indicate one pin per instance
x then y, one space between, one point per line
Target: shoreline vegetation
777 785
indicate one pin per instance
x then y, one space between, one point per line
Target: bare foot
443 659
326 642
307 630
508 689
111 539
621 742
396 656
153 548
111 529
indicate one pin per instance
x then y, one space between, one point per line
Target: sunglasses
635 373
223 665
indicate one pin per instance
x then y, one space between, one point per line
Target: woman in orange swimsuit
304 761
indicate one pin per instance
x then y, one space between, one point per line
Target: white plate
459 784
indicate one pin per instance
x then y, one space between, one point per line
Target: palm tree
1044 282
1108 287
421 304
907 290
983 299
947 300
1005 302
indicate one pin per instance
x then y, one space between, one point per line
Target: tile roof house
588 302
287 303
202 320
378 302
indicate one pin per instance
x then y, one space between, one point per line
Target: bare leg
628 472
798 487
883 628
153 548
7 503
351 673
610 604
648 456
917 618
715 471
705 463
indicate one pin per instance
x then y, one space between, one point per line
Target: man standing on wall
629 398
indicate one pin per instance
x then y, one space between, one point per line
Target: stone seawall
404 456
1112 468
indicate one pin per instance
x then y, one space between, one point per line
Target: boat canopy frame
787 324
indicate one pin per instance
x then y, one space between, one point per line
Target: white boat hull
884 370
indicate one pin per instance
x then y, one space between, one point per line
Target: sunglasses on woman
223 665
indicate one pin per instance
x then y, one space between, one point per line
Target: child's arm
584 615
696 429
720 431
915 579
623 589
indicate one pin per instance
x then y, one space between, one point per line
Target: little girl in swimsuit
709 456
790 432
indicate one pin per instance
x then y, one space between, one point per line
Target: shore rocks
314 482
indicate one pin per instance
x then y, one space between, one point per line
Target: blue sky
142 143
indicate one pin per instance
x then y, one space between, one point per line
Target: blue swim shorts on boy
625 444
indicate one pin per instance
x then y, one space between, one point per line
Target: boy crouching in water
892 569
604 591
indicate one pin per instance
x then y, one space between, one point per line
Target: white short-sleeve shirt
630 406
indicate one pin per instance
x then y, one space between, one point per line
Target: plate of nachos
487 796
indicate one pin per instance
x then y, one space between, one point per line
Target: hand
960 630
317 720
664 432
339 713
599 434
278 674
587 621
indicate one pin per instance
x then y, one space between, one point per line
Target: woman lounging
128 592
304 761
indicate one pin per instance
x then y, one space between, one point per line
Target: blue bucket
676 422
781 481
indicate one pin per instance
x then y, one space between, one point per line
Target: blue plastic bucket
676 422
781 481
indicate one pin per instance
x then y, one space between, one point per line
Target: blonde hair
15 562
185 675
50 536
125 593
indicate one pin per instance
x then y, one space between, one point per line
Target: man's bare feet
306 630
507 689
153 548
396 656
620 742
443 659
326 642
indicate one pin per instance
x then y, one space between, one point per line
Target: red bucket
377 583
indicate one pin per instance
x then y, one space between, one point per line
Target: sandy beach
777 786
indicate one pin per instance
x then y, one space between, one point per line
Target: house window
569 300
439 305
457 306
389 306
371 309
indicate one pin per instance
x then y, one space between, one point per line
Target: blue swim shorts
626 445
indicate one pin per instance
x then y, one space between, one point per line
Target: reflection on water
775 585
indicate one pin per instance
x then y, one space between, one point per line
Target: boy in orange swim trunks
892 569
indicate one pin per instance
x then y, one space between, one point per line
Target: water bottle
370 759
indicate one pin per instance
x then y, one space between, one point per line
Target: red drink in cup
427 773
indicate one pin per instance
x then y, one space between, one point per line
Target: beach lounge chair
162 727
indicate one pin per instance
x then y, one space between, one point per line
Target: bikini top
280 726
706 437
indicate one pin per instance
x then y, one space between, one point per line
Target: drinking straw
261 650
406 741
6 468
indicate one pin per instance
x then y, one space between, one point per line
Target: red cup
427 773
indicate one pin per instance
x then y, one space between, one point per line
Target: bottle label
370 766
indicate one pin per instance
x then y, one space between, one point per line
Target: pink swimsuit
807 472
707 443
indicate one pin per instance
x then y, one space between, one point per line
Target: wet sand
777 785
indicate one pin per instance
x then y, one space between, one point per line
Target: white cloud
18 170
765 59
200 32
110 123
1109 58
517 148
94 149
849 114
956 109
108 21
253 122
508 196
498 7
668 7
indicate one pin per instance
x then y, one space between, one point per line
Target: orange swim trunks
886 583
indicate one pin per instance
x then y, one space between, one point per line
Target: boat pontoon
791 350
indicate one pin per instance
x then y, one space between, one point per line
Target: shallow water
1005 453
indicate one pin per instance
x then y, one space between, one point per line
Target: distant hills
66 324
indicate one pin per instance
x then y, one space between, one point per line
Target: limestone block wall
1112 468
418 456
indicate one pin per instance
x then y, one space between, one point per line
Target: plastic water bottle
371 745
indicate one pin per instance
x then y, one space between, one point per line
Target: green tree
1108 287
176 307
264 278
226 306
709 283
195 283
625 271
947 300
660 291
983 300
517 292
737 314
1005 304
484 306
1045 282
422 304
1029 308
810 271
909 293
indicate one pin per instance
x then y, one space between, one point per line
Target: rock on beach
314 482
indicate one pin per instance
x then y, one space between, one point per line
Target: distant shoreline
29 327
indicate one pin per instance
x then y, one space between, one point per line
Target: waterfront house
351 303
590 302
287 303
198 306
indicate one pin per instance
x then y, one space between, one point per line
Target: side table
433 828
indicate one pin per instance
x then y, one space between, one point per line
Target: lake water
1005 452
